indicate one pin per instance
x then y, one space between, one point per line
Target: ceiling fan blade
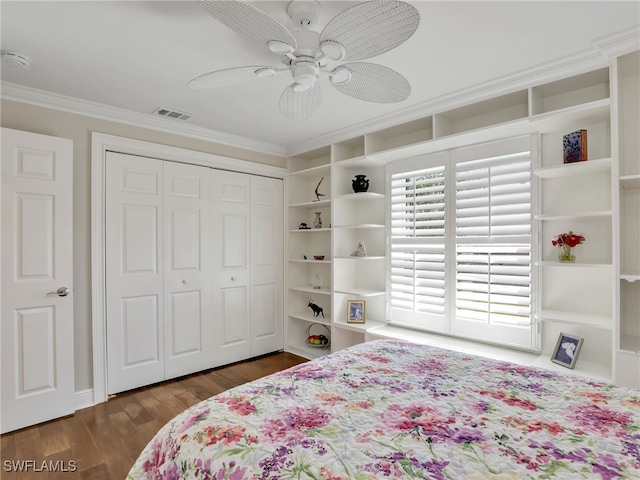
248 21
300 105
374 83
231 76
371 28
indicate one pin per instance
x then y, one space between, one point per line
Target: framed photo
567 350
355 311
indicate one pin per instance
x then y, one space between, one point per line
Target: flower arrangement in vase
566 242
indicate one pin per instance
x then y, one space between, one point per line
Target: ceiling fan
358 33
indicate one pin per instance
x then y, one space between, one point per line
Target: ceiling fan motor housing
305 72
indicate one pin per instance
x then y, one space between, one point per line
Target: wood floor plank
28 447
54 437
116 454
62 466
84 450
104 440
137 413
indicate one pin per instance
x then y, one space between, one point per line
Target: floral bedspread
388 409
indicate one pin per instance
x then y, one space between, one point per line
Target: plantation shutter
493 239
417 281
460 242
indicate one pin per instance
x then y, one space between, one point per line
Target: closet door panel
187 276
134 271
234 308
267 319
231 282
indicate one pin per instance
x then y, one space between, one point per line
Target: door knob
61 292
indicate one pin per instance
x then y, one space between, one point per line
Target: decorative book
575 146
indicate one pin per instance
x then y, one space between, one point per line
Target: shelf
593 112
440 143
310 289
360 225
572 169
314 204
303 350
360 161
368 257
629 277
361 196
312 172
295 260
630 182
359 327
590 320
309 230
570 265
308 317
575 216
360 292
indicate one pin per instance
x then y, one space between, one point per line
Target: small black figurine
316 309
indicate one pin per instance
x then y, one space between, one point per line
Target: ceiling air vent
165 112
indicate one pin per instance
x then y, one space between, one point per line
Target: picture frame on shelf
356 311
567 350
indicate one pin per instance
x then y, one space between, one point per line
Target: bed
391 409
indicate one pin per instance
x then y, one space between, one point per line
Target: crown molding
619 43
32 96
564 67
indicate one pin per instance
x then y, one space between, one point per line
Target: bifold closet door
188 316
158 290
248 265
267 265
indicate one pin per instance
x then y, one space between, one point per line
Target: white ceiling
139 55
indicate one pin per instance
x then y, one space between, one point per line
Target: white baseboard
84 399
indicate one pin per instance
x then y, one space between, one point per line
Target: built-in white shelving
581 196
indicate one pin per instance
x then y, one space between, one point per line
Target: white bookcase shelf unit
577 298
595 298
306 172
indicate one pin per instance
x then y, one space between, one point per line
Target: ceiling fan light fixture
266 72
301 87
281 48
340 76
333 50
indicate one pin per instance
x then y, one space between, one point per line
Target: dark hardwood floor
102 442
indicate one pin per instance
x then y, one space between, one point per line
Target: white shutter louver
418 246
493 240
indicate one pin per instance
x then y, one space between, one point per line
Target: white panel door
37 263
188 319
231 282
267 226
134 271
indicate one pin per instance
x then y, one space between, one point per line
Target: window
460 246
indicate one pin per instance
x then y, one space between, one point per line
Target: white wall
78 128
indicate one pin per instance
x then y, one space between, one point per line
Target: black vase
360 183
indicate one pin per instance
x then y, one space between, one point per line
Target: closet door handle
233 279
